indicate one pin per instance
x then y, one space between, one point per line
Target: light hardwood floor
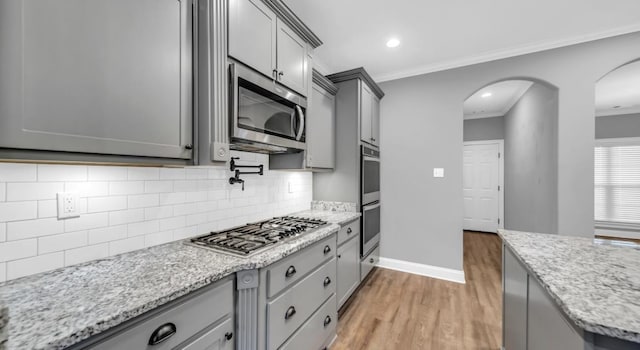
397 310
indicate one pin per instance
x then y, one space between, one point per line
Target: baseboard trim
441 273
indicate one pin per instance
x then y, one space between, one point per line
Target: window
617 182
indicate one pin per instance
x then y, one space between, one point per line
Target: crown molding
357 73
506 53
324 82
292 20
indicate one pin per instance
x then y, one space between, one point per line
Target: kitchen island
562 292
67 306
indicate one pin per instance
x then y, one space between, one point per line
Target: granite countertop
597 286
56 309
333 217
4 319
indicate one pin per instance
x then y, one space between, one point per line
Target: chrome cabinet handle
162 333
349 230
290 271
327 281
327 250
290 312
327 320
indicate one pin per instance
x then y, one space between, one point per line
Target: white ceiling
437 35
619 91
503 96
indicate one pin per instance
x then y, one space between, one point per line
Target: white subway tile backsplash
48 172
56 243
84 254
36 264
127 208
144 200
139 173
18 172
34 228
143 228
12 250
100 204
15 211
126 245
126 216
107 234
126 187
86 222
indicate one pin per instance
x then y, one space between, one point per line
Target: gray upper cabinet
252 35
375 121
366 114
73 81
262 41
321 123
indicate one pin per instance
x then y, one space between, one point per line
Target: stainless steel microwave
266 117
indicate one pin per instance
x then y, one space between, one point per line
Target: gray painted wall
611 127
422 128
484 129
531 162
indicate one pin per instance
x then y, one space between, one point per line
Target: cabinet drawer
315 332
287 312
218 338
349 230
295 267
369 262
188 318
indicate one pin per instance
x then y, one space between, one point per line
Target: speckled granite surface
335 217
334 206
56 309
4 321
597 286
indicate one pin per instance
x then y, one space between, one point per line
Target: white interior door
482 186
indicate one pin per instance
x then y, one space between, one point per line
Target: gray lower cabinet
515 288
348 269
201 320
73 81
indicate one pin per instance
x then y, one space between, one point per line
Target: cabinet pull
290 271
162 333
188 146
280 74
349 230
371 260
327 281
228 336
274 74
339 256
327 250
290 312
327 320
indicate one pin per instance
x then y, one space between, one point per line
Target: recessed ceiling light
486 94
393 42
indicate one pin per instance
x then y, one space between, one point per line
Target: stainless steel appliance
370 228
370 172
253 238
265 116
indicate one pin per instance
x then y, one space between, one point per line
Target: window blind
617 181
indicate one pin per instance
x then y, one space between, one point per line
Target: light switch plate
68 205
438 172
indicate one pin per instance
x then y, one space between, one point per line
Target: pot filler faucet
234 167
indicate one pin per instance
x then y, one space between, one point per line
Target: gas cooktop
253 238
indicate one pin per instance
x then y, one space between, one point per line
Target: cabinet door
218 338
514 282
348 269
366 104
292 59
375 120
73 80
321 138
252 35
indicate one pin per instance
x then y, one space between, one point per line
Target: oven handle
371 159
300 123
371 206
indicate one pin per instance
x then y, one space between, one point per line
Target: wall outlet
438 172
68 205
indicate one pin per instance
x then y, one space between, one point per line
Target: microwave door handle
300 123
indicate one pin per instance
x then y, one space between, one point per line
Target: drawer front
317 330
369 262
290 310
349 230
218 338
188 318
292 269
